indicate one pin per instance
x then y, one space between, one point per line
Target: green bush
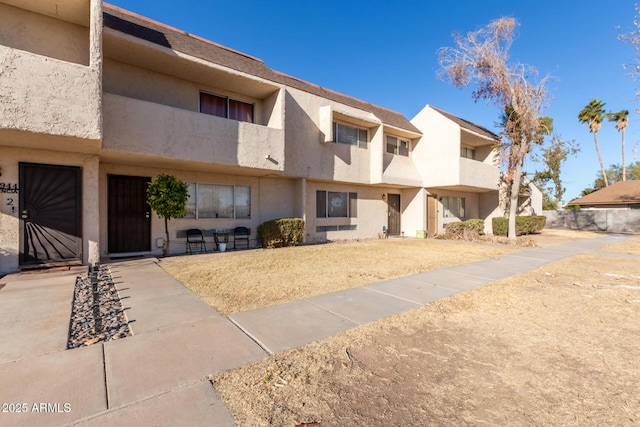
524 225
465 229
281 232
475 224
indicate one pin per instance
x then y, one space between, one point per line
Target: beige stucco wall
414 210
136 82
437 154
271 198
372 212
10 227
49 96
304 141
489 209
151 129
472 206
277 198
43 35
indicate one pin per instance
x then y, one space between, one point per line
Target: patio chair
240 234
195 238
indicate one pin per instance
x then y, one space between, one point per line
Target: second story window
345 134
397 146
467 153
222 106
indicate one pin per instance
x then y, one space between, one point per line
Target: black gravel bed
97 313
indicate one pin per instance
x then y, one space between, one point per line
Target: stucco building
96 101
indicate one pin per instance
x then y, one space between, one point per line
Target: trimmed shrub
524 225
467 230
281 232
475 224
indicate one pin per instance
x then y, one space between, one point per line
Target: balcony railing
477 174
48 96
146 128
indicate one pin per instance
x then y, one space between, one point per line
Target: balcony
400 170
48 96
477 174
139 127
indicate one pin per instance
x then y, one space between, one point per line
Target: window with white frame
350 135
397 146
228 108
336 204
467 152
218 201
453 207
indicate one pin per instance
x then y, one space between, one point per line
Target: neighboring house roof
468 125
172 38
621 193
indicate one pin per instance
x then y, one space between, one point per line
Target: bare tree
481 58
633 38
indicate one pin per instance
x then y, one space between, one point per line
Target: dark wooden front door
394 214
50 213
129 214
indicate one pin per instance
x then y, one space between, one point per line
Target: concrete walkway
159 376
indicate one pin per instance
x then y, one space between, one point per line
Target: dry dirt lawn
239 281
555 346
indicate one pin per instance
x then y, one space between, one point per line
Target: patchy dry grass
554 346
238 281
631 246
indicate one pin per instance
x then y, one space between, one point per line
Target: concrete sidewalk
159 376
296 323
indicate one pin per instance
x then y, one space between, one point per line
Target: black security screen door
129 214
51 213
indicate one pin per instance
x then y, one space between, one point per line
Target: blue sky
384 52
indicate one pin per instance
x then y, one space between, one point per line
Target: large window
336 204
397 146
453 207
218 201
345 134
228 108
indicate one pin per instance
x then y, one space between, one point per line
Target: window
344 134
325 228
221 106
467 153
336 204
218 201
397 146
454 207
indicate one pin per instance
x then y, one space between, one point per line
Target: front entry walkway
159 376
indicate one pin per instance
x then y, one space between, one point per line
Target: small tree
167 196
554 156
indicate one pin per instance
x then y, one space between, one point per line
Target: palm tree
621 123
593 114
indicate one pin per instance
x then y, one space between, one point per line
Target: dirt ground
556 346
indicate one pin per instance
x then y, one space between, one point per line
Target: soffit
74 11
151 56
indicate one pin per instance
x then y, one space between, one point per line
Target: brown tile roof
468 125
621 193
172 38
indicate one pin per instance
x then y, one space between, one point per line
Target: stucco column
95 34
91 210
301 200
